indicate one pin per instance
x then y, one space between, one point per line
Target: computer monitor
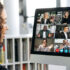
51 36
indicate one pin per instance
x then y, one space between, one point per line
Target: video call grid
51 23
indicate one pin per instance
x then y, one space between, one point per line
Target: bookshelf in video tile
53 32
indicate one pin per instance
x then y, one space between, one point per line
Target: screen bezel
34 31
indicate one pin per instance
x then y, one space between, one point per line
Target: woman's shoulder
40 45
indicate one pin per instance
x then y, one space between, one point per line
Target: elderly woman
3 28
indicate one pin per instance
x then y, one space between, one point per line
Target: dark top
41 33
62 35
66 20
47 21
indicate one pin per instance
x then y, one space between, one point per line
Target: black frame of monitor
42 10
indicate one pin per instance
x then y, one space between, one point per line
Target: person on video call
43 47
3 28
65 44
52 20
66 18
45 19
45 33
65 33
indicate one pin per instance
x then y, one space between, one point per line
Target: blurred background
20 18
21 13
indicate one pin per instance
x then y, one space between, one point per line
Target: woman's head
44 42
46 15
3 25
1 9
66 14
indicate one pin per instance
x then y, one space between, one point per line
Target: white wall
68 3
56 67
12 9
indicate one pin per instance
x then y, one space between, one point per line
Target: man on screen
64 47
65 44
44 33
3 28
64 34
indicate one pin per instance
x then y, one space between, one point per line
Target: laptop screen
51 32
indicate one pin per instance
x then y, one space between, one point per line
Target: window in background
63 3
22 25
27 10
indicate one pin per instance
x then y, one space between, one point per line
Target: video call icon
57 50
66 51
61 50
